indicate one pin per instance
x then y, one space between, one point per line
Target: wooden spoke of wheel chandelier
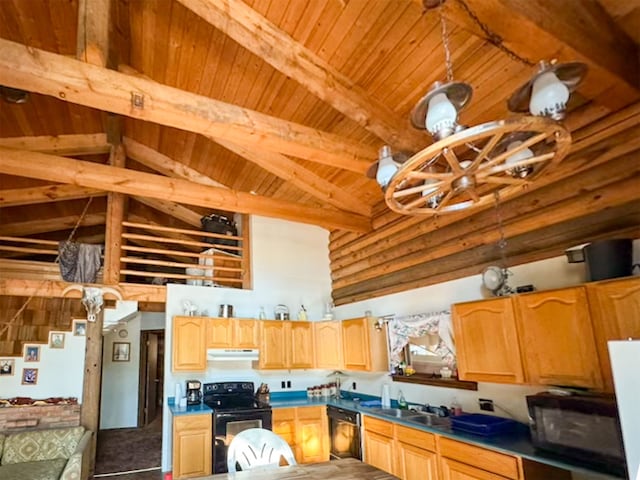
466 169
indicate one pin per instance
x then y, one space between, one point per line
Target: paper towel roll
178 394
386 398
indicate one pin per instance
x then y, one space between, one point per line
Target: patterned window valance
402 328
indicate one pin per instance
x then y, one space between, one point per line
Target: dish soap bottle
302 313
402 403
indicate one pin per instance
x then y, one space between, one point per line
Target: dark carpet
127 449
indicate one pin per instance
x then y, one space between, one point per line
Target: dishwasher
344 433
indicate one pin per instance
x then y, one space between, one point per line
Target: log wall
591 195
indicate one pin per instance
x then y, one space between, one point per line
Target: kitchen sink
429 420
394 412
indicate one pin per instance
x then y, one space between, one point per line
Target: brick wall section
30 417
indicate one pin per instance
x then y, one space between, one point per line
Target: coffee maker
194 395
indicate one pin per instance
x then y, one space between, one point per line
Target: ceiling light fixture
466 167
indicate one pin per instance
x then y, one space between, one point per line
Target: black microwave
584 428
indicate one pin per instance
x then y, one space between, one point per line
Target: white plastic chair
258 448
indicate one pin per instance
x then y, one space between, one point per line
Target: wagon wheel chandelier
466 167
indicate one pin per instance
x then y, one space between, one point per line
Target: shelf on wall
435 381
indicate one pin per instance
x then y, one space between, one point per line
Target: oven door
227 425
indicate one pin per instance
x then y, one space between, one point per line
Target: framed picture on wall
7 366
56 340
32 353
121 351
29 376
79 328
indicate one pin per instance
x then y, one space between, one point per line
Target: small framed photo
79 328
32 353
7 366
29 376
121 351
56 340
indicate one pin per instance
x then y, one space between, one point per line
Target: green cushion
42 470
37 445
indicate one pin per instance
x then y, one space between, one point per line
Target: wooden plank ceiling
278 107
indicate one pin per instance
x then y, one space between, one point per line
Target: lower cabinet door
452 470
191 446
416 463
379 451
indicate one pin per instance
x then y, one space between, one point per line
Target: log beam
115 179
261 37
68 79
92 44
49 193
64 145
584 34
116 211
34 227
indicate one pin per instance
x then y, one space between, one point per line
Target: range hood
227 354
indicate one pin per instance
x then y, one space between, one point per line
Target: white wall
60 372
119 400
290 265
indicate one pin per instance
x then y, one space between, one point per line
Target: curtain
401 328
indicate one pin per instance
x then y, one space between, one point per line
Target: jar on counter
309 392
326 391
333 390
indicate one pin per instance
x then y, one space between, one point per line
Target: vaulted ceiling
278 108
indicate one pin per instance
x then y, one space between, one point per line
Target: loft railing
160 255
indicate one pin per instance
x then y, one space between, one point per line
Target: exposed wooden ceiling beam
55 288
115 179
92 45
46 194
65 145
55 75
33 227
167 166
301 177
175 210
543 30
261 37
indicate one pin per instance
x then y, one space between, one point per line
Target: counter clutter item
281 312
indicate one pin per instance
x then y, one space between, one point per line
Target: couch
54 454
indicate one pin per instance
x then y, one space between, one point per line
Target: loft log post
116 206
247 280
90 411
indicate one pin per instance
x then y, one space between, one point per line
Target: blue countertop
518 443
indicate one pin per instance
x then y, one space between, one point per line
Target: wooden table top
344 469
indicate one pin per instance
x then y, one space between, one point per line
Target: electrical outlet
283 384
288 383
353 386
486 404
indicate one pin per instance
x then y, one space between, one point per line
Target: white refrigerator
625 363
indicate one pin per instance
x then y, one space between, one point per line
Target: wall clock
123 333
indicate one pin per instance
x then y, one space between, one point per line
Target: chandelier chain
502 243
493 37
445 44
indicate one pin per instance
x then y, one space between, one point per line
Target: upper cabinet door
355 337
301 341
487 341
274 344
557 338
219 333
246 334
189 344
328 344
615 313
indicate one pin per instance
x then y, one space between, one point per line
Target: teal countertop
518 443
176 410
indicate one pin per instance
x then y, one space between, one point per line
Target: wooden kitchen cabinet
232 333
415 454
306 430
615 315
189 344
379 446
191 446
364 347
487 341
556 338
327 340
285 344
459 460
